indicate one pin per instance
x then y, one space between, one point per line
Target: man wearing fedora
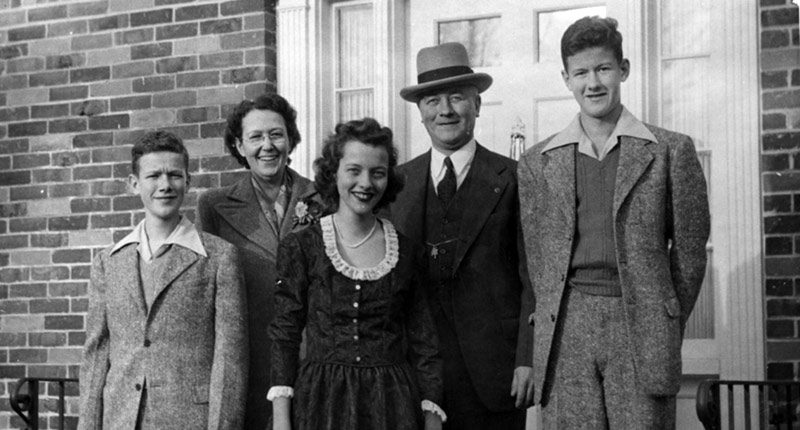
460 201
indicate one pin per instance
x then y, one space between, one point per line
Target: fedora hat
444 65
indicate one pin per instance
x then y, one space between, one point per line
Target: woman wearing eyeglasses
254 214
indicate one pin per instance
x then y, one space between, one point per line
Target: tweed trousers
594 384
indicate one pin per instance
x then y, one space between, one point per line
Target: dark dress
372 351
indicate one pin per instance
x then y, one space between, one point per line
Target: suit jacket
234 214
661 225
491 305
189 349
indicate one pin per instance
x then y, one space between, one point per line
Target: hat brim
413 93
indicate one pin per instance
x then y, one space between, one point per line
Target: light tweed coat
191 347
661 225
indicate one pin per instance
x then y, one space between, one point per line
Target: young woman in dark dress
352 282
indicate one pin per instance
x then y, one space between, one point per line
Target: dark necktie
447 186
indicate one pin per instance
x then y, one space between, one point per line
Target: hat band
443 73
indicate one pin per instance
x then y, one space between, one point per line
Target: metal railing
775 402
28 400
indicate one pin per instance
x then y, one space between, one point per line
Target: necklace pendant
434 252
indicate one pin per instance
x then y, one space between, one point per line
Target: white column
736 227
295 54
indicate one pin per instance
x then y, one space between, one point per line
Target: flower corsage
307 212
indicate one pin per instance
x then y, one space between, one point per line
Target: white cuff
280 391
429 406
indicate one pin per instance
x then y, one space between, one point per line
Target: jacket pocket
200 394
673 307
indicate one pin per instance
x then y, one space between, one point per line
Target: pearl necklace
360 242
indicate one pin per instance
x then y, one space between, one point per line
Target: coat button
355 305
358 359
552 318
358 287
147 343
138 387
355 337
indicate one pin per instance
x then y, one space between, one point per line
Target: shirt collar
627 125
461 159
185 234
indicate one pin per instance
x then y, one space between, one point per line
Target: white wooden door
518 44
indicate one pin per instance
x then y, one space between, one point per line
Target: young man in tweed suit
615 221
166 332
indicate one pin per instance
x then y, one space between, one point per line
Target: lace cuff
281 391
429 406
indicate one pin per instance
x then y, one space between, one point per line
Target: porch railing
748 404
26 402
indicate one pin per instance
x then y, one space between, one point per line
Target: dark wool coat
661 225
490 303
234 214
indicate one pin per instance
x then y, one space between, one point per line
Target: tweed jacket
189 348
661 225
490 302
234 214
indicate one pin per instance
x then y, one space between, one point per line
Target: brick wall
78 82
780 160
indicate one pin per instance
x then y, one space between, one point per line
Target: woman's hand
432 421
282 413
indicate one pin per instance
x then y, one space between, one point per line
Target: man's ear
625 65
565 77
477 105
133 183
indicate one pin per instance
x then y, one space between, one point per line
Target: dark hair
269 101
158 141
590 32
369 132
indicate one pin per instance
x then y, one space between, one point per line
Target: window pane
479 36
354 104
552 25
356 46
553 116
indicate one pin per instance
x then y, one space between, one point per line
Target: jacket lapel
124 267
634 158
409 211
559 173
302 188
242 211
179 261
487 188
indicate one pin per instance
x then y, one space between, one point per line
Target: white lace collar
368 274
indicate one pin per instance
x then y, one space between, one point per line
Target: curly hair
269 101
158 141
590 32
369 132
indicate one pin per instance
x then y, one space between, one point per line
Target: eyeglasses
274 138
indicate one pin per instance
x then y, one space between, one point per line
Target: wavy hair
269 101
590 32
369 132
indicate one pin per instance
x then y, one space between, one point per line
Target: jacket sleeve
95 363
423 340
229 371
524 356
291 306
689 224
